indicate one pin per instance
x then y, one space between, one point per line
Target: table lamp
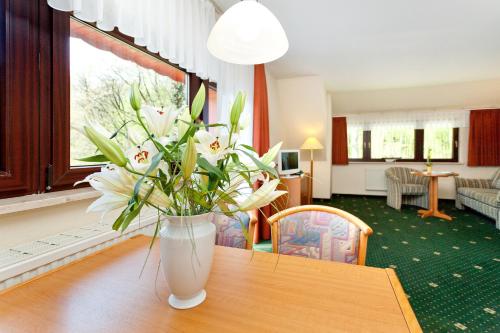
311 144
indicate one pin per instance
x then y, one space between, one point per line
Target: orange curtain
261 139
484 138
339 141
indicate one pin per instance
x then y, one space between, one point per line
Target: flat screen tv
288 161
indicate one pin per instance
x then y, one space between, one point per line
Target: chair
406 188
320 232
229 231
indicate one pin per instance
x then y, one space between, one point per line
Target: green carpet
449 270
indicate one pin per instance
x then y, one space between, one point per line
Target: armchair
403 187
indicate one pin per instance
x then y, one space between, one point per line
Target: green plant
429 156
180 167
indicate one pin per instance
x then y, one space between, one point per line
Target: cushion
229 230
488 196
413 189
319 235
495 182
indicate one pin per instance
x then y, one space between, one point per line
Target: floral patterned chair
229 231
320 232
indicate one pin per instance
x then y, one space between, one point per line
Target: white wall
299 108
350 179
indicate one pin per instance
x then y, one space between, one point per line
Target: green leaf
95 158
198 103
154 164
203 163
248 147
261 165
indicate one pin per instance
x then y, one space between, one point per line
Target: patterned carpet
449 270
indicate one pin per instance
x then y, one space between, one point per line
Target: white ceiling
378 44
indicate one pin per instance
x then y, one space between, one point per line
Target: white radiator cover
375 180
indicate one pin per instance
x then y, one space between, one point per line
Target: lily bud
198 103
107 147
135 97
189 159
184 118
236 110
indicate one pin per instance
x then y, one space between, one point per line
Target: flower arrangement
180 167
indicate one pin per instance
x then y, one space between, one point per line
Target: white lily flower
117 187
160 121
140 156
212 147
262 197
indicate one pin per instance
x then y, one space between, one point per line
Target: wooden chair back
364 230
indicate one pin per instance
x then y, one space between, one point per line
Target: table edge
404 304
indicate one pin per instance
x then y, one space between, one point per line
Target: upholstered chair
320 232
229 230
403 187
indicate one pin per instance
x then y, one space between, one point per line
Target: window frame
419 149
35 113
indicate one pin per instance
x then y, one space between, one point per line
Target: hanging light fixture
247 34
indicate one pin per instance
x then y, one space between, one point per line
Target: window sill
34 201
409 163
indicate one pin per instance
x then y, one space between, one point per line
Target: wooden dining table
246 292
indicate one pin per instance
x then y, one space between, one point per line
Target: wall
350 179
299 108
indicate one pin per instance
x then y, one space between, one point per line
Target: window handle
456 143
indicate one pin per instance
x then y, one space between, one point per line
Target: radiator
375 180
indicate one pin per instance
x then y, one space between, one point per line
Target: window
101 71
355 142
393 143
402 143
76 73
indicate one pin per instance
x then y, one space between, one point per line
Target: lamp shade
311 143
247 34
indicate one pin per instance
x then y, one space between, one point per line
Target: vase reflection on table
186 171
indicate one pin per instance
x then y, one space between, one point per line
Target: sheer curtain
419 119
178 31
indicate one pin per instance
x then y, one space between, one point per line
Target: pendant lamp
247 34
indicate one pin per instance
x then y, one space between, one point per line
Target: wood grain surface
247 292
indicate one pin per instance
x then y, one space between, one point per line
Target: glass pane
393 142
102 70
440 140
355 142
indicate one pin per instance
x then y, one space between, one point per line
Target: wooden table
433 194
246 293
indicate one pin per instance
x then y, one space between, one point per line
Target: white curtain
414 119
178 31
232 80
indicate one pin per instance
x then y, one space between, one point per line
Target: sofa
482 195
403 187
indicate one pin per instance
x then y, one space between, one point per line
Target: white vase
186 249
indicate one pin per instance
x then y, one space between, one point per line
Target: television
288 161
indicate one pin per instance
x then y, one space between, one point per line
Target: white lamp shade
247 34
312 143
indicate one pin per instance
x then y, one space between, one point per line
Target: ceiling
379 44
